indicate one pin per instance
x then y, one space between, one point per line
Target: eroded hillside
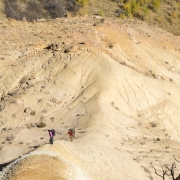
115 81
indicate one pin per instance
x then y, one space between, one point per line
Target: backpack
53 132
73 132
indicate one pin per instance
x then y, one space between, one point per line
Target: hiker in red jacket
71 133
51 134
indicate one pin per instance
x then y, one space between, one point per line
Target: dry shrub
153 124
36 9
41 125
33 113
82 2
10 138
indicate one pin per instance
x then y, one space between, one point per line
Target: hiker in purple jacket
51 136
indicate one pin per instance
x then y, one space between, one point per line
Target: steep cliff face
115 81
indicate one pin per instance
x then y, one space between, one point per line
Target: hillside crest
116 82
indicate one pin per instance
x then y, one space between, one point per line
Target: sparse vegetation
153 124
158 19
101 13
122 16
140 8
33 113
10 138
152 74
41 125
82 2
162 12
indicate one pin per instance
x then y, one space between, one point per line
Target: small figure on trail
51 134
71 133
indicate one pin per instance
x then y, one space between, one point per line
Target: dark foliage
37 9
55 8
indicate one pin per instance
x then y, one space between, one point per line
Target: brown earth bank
116 82
39 167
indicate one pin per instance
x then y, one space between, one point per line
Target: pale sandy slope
116 82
